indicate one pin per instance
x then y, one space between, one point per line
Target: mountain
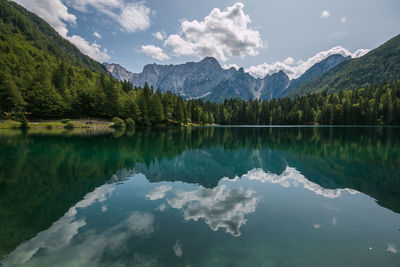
190 80
118 72
208 80
378 66
274 84
244 86
46 76
205 79
315 71
20 25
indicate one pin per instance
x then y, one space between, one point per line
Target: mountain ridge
380 65
315 71
207 80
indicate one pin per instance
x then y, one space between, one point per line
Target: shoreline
80 124
106 125
57 124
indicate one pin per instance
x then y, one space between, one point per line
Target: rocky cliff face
274 85
208 80
118 72
191 80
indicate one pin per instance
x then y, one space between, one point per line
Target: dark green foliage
65 120
380 65
24 123
42 76
10 95
156 109
130 123
69 126
118 123
17 23
375 105
178 110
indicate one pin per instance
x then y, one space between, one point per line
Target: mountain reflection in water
112 199
224 206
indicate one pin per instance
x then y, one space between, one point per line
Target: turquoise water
216 196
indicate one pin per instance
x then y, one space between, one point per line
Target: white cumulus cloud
325 14
56 14
97 35
132 16
288 61
159 35
53 12
221 34
154 52
82 5
93 50
228 66
294 70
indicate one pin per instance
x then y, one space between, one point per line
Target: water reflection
292 177
43 176
129 230
158 192
60 234
220 207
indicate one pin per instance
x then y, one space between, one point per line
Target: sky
263 37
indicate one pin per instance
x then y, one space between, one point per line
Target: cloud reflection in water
55 246
292 177
220 207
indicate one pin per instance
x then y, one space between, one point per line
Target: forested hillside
378 66
374 105
40 72
19 25
44 76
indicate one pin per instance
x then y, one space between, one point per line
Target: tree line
43 76
66 91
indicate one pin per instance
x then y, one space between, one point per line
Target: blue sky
261 36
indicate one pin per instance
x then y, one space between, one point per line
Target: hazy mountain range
206 79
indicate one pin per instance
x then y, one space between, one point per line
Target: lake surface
212 196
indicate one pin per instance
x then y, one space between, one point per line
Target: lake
201 196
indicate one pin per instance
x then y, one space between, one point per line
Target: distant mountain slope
239 85
379 65
315 71
16 20
118 72
190 80
244 86
206 79
274 85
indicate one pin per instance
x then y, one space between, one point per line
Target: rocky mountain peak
206 79
210 60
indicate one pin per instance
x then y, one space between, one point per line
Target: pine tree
10 96
156 111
